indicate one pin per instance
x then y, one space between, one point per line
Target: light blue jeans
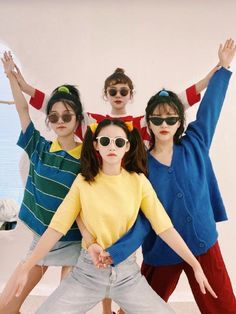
87 285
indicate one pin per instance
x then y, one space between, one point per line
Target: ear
127 147
149 126
95 145
105 96
76 125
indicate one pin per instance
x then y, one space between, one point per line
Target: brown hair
133 161
118 77
174 102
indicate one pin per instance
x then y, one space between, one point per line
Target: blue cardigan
187 188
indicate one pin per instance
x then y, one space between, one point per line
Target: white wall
167 43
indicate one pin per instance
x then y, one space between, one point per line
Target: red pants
164 279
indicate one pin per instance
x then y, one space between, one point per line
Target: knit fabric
50 177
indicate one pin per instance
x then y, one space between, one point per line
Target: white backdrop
167 43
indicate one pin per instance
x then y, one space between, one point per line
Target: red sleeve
192 95
37 100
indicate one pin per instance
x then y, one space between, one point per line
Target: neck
111 170
163 147
67 142
118 112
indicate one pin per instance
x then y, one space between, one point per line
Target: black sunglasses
106 140
54 117
168 120
113 91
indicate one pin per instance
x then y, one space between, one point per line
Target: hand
95 250
203 282
226 53
15 285
105 258
100 258
8 63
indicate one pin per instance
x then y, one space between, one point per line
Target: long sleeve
131 241
189 97
203 127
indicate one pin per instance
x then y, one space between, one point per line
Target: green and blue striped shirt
51 175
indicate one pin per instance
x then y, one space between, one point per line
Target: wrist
226 66
89 243
25 265
9 74
196 266
24 87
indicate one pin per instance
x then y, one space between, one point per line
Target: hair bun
119 70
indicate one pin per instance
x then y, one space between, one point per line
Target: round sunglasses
113 91
54 117
106 140
168 120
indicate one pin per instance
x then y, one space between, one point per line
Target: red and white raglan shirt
188 97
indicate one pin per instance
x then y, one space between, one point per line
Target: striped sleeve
68 211
29 140
189 97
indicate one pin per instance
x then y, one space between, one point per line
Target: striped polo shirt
51 174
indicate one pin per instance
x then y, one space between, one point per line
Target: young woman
181 173
112 169
53 168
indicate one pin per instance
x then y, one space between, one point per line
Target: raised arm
203 83
25 87
19 99
203 127
38 99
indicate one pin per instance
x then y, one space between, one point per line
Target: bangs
118 80
166 108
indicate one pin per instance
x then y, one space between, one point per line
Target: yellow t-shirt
109 206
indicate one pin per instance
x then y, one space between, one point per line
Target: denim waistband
86 257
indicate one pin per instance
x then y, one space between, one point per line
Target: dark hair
118 77
69 96
174 102
133 161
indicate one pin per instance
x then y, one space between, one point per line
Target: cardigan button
179 195
170 170
201 244
188 218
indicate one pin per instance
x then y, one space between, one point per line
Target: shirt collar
75 152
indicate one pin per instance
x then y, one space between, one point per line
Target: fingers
230 43
18 72
204 285
105 258
209 288
104 254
